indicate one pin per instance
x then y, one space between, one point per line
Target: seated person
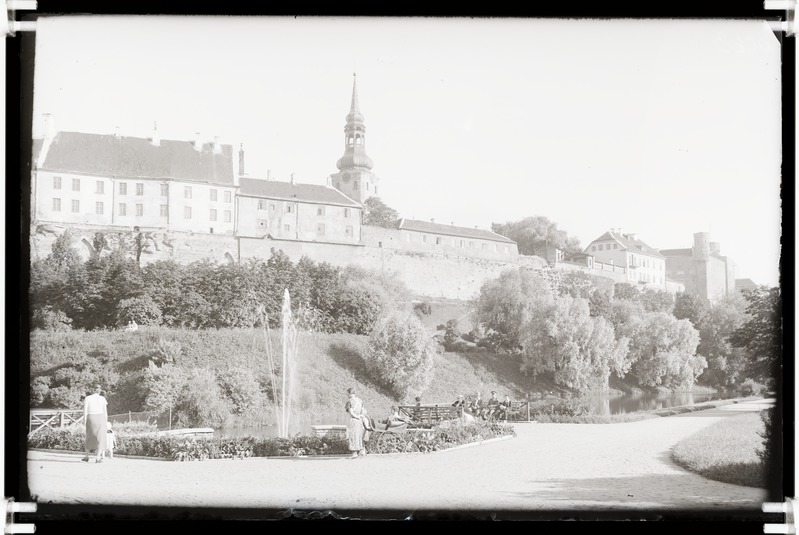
492 408
459 402
396 419
504 408
476 407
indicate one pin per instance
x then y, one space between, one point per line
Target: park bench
430 415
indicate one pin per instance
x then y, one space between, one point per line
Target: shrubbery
449 434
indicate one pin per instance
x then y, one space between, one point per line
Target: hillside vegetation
326 364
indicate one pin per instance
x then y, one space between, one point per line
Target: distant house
301 212
702 269
644 264
112 180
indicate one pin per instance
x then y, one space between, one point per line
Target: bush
560 410
423 309
452 332
400 354
143 310
50 319
766 453
750 388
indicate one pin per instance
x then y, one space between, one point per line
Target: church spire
354 136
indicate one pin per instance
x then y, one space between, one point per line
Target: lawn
726 451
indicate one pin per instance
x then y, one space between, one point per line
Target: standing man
95 414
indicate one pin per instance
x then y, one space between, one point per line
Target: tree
579 350
690 307
625 290
657 300
400 353
761 334
663 350
533 234
726 364
378 213
505 305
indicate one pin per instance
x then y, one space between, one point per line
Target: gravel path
607 467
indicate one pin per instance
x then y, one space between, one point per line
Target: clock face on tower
346 178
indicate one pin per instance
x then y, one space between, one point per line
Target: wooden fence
53 418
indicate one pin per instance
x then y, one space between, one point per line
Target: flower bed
448 435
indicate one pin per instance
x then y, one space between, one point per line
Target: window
100 187
227 196
438 240
164 210
424 238
262 224
56 205
348 230
213 214
56 182
139 188
496 247
98 208
75 184
272 208
261 204
346 212
320 229
123 188
187 212
213 196
408 238
367 186
228 216
288 208
471 244
320 210
187 192
593 247
164 190
461 243
287 228
600 246
507 250
485 246
139 209
123 209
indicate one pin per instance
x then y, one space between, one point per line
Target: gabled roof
628 243
745 284
312 193
451 230
131 157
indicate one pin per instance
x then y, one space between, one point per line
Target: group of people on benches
493 409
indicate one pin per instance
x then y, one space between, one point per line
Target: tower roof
355 137
354 116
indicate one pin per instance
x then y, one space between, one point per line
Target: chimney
432 219
156 138
197 143
633 236
292 179
329 181
217 146
269 174
116 132
241 159
49 126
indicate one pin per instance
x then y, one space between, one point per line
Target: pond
301 424
627 403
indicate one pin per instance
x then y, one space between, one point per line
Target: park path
607 467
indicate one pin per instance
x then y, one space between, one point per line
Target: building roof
677 252
627 241
745 284
36 149
131 157
451 230
311 193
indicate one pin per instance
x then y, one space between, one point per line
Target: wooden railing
53 418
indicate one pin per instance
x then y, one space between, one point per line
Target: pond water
301 424
628 403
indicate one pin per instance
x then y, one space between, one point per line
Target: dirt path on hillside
607 467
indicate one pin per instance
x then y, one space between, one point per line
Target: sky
662 128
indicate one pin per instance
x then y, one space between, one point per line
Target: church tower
355 178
